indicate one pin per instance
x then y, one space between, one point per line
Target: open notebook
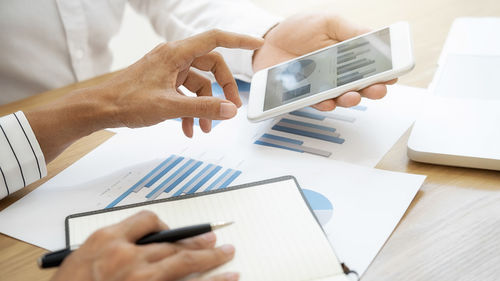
275 233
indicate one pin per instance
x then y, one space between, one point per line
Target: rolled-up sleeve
21 158
178 19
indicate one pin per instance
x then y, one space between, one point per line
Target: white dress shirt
46 44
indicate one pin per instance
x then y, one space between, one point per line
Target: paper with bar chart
362 134
174 176
159 162
288 132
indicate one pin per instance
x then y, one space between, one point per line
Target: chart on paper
174 176
310 131
321 206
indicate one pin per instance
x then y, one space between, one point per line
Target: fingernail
227 249
227 110
231 276
209 237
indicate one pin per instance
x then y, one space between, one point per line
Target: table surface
451 229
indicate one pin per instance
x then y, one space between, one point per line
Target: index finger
205 42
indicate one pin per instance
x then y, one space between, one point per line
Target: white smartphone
327 73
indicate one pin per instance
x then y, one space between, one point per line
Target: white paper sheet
367 131
366 203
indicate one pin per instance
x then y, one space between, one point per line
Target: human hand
111 254
302 34
147 93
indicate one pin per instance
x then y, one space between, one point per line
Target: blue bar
279 138
359 107
125 194
121 197
155 170
141 181
230 179
166 170
204 180
219 179
184 176
179 192
169 178
308 115
310 125
308 134
276 146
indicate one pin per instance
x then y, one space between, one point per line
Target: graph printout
361 134
174 176
159 162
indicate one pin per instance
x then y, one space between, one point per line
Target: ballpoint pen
54 259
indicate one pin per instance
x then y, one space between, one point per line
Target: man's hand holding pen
112 252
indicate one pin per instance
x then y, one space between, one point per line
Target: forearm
60 123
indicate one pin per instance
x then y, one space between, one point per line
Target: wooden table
451 230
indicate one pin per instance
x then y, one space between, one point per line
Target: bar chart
363 57
294 131
354 63
174 176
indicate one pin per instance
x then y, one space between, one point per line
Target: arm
22 161
290 38
143 94
178 19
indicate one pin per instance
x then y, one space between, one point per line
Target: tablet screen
327 69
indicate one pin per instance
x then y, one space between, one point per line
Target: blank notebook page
275 234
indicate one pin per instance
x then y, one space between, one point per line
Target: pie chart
322 207
301 69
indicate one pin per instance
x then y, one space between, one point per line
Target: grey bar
166 185
354 65
351 63
202 177
288 95
340 117
297 147
349 47
345 59
308 129
345 55
350 56
223 180
361 52
350 78
333 115
138 188
349 75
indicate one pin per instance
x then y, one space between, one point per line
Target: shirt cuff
22 160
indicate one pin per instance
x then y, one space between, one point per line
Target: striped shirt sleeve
21 158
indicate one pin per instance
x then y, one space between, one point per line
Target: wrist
59 124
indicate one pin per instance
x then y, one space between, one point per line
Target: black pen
54 259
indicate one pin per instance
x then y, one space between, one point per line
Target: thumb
206 107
